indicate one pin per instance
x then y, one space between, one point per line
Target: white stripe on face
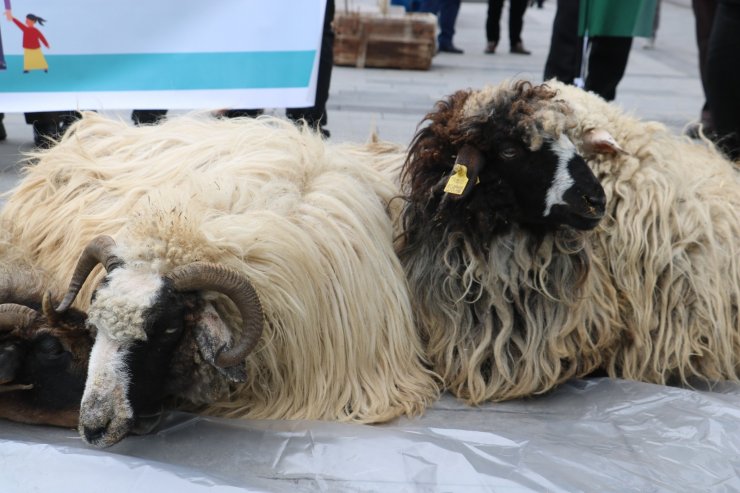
562 181
105 398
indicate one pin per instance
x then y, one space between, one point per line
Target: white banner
168 54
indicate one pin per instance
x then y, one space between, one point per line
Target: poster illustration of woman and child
192 61
33 57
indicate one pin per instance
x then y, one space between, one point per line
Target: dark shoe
451 49
3 135
491 47
44 136
518 49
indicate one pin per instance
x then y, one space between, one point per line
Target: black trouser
316 115
723 76
607 60
516 20
704 17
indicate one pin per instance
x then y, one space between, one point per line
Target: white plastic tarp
598 435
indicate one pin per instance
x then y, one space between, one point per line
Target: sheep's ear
600 141
212 335
465 172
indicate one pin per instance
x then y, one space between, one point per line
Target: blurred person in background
704 11
607 58
446 12
516 22
723 76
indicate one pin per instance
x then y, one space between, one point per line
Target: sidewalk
660 84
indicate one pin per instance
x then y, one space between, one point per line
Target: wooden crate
369 39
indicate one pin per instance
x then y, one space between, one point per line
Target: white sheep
304 222
670 241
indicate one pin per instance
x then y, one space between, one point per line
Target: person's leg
315 115
448 11
516 20
431 6
606 64
493 20
564 58
723 77
147 117
3 134
704 18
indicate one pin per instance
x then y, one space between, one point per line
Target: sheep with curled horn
527 266
269 205
43 354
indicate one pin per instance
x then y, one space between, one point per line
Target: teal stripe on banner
161 71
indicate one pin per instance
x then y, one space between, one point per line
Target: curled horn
98 251
206 276
14 316
473 160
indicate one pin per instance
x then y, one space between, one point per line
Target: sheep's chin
146 423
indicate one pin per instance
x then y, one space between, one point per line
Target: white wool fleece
118 308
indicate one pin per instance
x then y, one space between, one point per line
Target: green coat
616 17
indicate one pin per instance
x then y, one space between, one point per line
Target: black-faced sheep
671 243
43 354
304 222
516 288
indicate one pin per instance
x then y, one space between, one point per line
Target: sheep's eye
509 152
50 346
172 330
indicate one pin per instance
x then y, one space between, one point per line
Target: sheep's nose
92 435
596 201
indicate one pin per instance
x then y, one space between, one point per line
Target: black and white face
139 321
551 186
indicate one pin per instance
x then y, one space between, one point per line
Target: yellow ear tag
458 180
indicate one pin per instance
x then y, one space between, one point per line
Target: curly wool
121 309
305 221
672 245
651 294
